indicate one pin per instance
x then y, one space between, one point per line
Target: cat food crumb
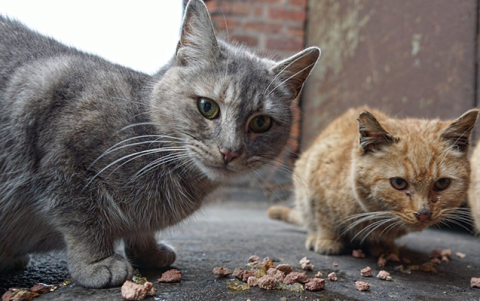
277 274
19 295
285 268
475 282
305 264
254 258
267 282
171 276
447 253
268 263
413 267
294 277
221 271
428 267
436 253
238 273
381 261
132 291
252 281
362 286
445 258
435 260
247 274
384 275
366 272
392 257
335 264
460 255
406 260
358 253
40 288
332 276
318 275
315 284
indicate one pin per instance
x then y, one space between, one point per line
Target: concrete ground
229 230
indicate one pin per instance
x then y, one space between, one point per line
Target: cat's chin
218 173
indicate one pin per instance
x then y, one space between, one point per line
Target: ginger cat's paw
328 246
108 272
310 243
158 256
385 248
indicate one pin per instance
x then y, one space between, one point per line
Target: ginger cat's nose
423 215
228 155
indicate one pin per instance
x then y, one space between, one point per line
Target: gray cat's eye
398 183
208 108
260 124
441 184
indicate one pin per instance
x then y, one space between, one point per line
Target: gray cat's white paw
108 272
160 256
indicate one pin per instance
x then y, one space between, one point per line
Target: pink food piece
285 268
475 282
332 276
253 258
446 252
171 276
221 271
267 282
40 288
307 267
406 260
384 275
315 284
247 274
294 277
436 253
445 258
238 273
277 274
358 253
318 275
335 264
366 272
362 286
392 257
134 291
7 295
460 255
252 281
304 260
381 261
435 260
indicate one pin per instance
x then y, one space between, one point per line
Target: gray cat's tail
285 214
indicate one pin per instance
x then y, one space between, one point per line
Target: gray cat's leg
93 263
144 252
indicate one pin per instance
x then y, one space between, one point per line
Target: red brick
211 6
287 14
247 40
262 27
258 11
302 3
296 31
270 1
292 44
240 8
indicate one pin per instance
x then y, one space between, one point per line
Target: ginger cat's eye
398 183
260 124
441 184
208 108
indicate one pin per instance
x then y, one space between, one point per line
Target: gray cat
92 152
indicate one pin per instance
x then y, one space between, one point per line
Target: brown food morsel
304 260
133 291
435 260
392 257
318 275
315 284
366 272
332 276
252 281
171 276
40 288
406 260
475 282
445 258
384 275
247 274
277 274
254 258
285 268
428 267
268 262
381 261
238 273
7 295
447 252
358 253
460 255
221 271
267 282
362 286
436 253
294 277
413 267
305 264
335 264
17 294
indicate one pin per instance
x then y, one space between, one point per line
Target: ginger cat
474 190
379 179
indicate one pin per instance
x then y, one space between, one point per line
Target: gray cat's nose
423 214
228 155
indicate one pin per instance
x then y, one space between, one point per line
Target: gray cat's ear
294 71
197 38
372 135
458 132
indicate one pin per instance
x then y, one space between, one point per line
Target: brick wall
274 28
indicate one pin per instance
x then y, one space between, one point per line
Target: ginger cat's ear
458 132
197 39
372 135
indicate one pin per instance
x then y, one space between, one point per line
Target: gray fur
92 152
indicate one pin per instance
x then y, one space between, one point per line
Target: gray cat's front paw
152 257
108 272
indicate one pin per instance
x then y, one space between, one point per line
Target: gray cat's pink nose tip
228 155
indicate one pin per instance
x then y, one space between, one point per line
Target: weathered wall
409 58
